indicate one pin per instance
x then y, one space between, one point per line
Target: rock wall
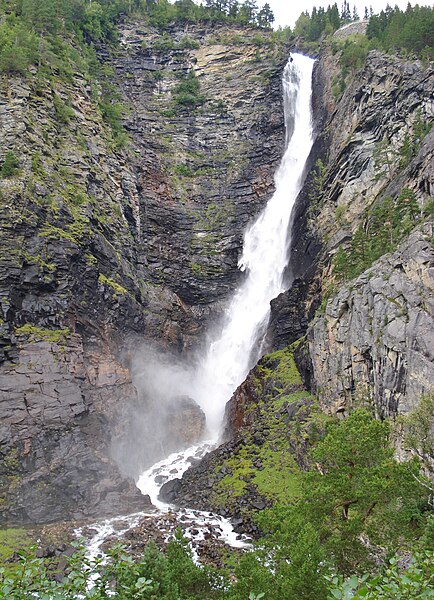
106 246
374 344
203 172
359 144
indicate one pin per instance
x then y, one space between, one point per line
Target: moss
276 445
35 333
278 481
54 233
38 260
91 260
118 289
12 540
11 460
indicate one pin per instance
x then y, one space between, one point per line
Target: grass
11 541
35 333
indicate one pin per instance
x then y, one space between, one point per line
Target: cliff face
205 162
374 344
352 350
104 246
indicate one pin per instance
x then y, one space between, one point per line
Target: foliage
62 109
357 503
386 223
187 92
413 138
323 21
166 576
410 30
10 166
417 431
358 497
163 13
415 581
12 540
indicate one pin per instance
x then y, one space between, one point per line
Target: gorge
167 277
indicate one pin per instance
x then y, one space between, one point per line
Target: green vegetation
410 30
313 25
169 576
413 139
415 582
10 166
119 290
187 94
344 530
12 541
385 224
391 30
56 336
62 109
270 460
247 12
416 430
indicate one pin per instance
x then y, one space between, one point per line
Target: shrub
11 165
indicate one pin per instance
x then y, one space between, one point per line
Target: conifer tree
265 16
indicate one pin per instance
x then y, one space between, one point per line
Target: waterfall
265 256
236 348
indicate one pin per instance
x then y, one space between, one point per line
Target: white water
232 353
264 259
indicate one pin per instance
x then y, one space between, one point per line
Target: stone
388 354
186 421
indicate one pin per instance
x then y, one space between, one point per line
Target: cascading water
264 259
234 351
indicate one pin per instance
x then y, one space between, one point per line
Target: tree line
246 12
391 29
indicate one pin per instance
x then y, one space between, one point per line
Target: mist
163 417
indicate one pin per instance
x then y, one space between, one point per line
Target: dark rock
169 490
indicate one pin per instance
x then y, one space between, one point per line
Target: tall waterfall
264 258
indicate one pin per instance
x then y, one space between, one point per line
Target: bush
11 165
187 92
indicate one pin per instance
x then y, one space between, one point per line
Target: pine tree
355 13
233 8
248 11
265 16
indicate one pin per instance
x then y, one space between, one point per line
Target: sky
288 11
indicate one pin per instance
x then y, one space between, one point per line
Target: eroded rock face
375 343
58 410
359 142
203 173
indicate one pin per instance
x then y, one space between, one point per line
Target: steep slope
367 344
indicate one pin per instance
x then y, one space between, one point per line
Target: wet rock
186 422
125 245
169 490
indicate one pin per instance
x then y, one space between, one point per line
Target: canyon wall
110 244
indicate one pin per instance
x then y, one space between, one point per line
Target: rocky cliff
363 163
373 345
108 242
120 242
